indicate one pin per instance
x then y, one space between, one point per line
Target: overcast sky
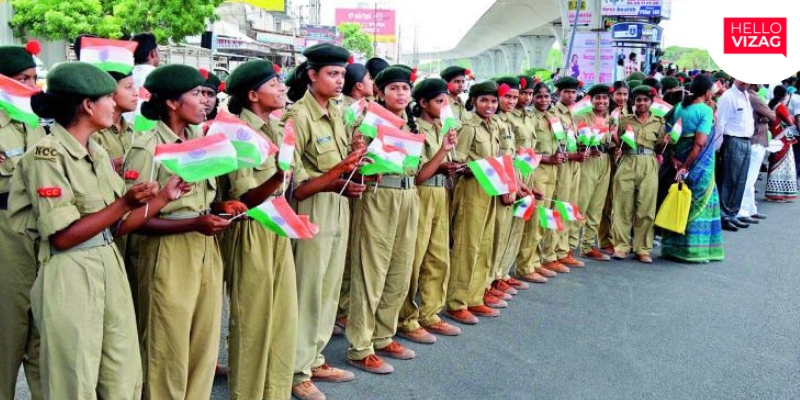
442 23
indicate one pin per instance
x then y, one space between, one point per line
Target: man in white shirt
146 59
736 124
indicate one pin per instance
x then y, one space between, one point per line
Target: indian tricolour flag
572 142
523 208
277 216
527 161
550 219
385 159
629 137
15 99
108 54
378 116
558 128
198 159
615 116
582 107
411 143
286 154
660 108
569 212
585 134
447 117
677 130
494 174
599 133
140 123
252 148
352 112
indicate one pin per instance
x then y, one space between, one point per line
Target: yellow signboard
267 5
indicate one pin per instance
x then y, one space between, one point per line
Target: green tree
58 19
356 39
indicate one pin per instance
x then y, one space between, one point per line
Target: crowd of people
114 267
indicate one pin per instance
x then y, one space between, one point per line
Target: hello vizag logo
755 36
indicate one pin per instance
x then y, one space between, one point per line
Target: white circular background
707 20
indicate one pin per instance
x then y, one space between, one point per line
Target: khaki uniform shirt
507 138
115 142
478 139
433 140
545 140
245 179
567 119
523 127
593 120
459 109
15 139
648 134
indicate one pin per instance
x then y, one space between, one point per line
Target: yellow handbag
674 212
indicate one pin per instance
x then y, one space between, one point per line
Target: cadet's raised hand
450 140
140 193
211 225
174 189
230 207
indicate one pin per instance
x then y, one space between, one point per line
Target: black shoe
727 226
758 216
738 224
748 220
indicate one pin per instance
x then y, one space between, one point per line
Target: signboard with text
637 8
320 33
585 56
380 24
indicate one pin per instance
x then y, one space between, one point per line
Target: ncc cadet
595 175
636 179
259 265
18 337
474 214
559 256
508 232
325 150
66 191
358 85
431 268
385 231
179 263
455 78
210 89
375 65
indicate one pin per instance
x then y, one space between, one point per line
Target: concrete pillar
537 49
489 61
558 33
501 62
476 65
513 53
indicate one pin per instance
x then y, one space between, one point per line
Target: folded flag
527 161
386 159
495 174
140 123
286 154
378 116
567 211
108 54
15 99
550 219
410 143
660 108
198 159
558 129
582 107
523 208
676 131
599 133
447 117
252 148
277 216
351 113
585 134
629 137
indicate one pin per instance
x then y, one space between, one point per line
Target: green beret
173 79
670 82
634 83
80 79
636 76
429 88
288 79
324 54
599 88
403 66
721 75
567 82
526 82
652 82
250 76
643 90
511 81
452 72
485 87
683 75
391 75
212 80
15 59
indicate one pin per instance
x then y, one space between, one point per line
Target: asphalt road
622 330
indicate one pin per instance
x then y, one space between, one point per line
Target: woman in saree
782 177
693 158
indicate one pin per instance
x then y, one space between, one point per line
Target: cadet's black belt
395 182
103 238
602 148
737 137
639 151
437 180
4 201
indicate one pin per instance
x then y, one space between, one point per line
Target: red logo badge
131 175
755 36
49 192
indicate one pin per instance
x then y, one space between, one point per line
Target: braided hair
700 86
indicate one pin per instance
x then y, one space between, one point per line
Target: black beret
636 76
670 82
511 81
599 88
643 90
485 87
173 79
15 59
212 81
391 75
526 82
353 74
249 76
325 54
80 79
375 65
634 83
567 82
452 72
429 88
147 43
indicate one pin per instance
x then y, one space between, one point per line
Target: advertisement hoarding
381 23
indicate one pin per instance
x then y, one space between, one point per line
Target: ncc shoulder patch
45 153
324 139
49 192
